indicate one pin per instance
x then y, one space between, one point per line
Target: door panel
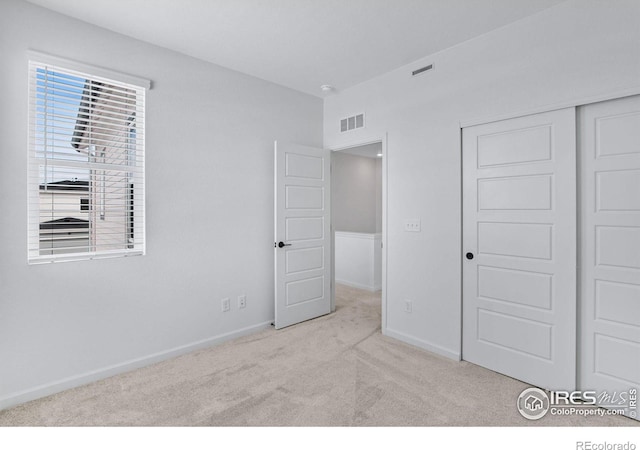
519 208
304 259
515 147
610 243
302 221
515 193
515 286
524 336
524 240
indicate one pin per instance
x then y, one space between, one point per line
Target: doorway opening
304 232
358 214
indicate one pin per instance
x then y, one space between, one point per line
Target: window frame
41 60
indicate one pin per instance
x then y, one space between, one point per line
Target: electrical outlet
242 301
412 225
408 306
226 304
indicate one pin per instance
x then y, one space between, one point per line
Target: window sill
86 256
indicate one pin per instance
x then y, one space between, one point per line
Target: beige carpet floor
337 370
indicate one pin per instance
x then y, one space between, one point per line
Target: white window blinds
86 165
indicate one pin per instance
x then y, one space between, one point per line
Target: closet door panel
609 343
519 241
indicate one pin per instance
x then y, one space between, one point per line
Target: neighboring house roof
66 223
105 113
66 185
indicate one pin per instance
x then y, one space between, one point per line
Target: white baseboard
105 372
428 346
359 286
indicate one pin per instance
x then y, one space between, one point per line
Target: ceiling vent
352 123
422 70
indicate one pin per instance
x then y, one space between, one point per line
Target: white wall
209 172
577 49
354 181
358 260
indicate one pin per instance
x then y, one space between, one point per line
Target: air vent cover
352 123
422 70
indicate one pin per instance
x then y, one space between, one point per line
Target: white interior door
610 240
302 233
519 226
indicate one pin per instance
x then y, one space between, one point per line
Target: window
86 165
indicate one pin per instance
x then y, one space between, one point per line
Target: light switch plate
412 225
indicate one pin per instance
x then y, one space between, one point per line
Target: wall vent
422 70
352 123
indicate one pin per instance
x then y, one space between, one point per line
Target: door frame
385 149
574 102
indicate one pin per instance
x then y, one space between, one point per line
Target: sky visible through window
58 97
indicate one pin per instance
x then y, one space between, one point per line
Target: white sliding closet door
519 240
610 243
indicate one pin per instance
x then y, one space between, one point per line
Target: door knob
469 255
282 244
